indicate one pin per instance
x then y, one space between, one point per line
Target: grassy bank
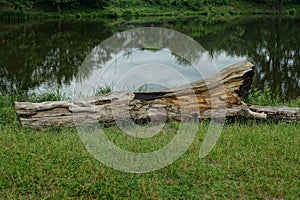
233 8
250 161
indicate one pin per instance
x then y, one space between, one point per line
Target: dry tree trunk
204 99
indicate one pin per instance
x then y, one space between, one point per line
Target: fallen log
213 97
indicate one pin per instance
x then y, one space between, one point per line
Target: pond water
39 56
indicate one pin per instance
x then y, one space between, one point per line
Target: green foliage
194 5
142 88
294 103
103 89
19 5
7 112
52 95
59 3
266 97
291 11
216 2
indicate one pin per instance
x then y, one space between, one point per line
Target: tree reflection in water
51 53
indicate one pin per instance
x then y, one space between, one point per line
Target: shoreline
220 12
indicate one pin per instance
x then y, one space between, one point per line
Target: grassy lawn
250 161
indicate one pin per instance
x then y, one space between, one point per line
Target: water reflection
44 55
136 70
273 45
130 60
35 54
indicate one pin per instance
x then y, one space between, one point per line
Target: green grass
294 103
7 113
251 161
53 94
266 97
103 89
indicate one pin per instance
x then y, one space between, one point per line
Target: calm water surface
39 56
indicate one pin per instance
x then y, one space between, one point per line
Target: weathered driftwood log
204 99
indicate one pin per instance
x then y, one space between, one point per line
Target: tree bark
204 99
